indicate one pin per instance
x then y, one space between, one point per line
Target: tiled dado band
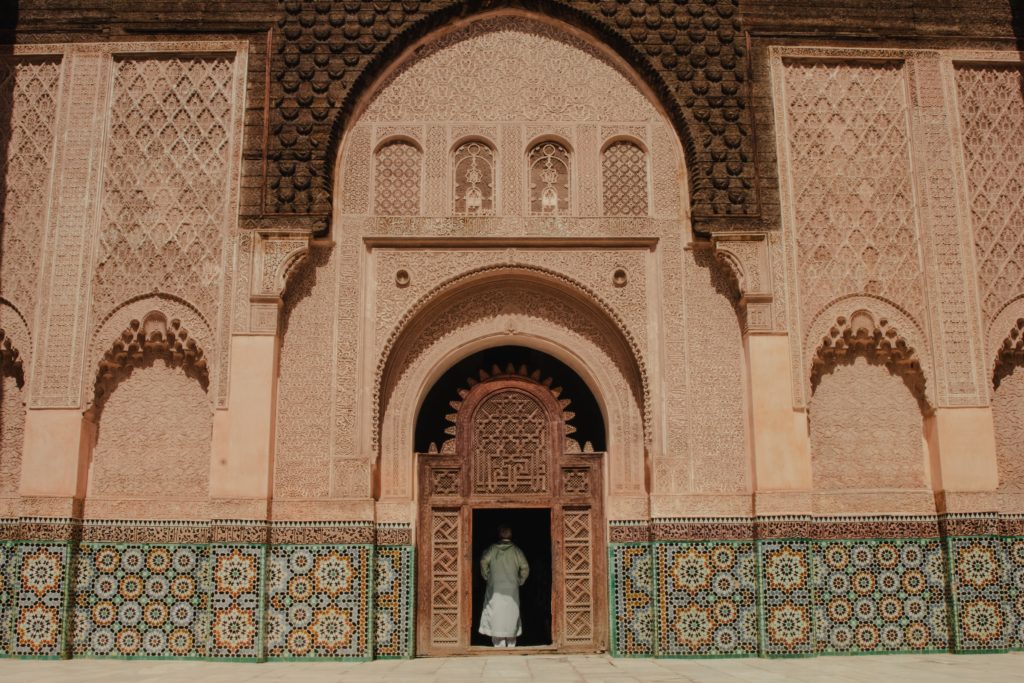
679 587
810 586
223 590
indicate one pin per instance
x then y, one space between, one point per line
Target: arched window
624 176
474 179
549 179
397 179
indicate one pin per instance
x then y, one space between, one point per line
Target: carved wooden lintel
276 255
746 255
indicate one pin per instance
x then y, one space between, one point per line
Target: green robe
505 569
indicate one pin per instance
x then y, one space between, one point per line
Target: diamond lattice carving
852 191
624 171
398 176
992 122
28 93
166 180
511 445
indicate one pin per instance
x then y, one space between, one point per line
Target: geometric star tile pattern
140 601
318 602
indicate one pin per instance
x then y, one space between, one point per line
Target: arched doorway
512 459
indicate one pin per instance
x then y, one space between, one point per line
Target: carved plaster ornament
1011 354
10 360
747 259
511 372
879 343
143 342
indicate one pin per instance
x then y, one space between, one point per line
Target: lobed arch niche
868 411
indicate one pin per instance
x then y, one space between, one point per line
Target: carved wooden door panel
441 584
581 595
510 451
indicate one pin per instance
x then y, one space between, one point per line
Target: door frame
445 484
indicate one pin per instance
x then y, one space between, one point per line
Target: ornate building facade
719 302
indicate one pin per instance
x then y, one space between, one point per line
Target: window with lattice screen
624 178
397 178
474 179
549 179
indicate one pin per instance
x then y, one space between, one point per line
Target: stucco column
779 440
962 448
57 438
54 462
242 465
241 470
782 460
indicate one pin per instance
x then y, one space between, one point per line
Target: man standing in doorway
505 569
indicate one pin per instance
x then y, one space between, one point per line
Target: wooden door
510 450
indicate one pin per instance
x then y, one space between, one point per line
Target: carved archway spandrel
557 288
276 254
746 255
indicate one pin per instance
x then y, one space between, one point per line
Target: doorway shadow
531 531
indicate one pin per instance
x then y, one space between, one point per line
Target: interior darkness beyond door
531 531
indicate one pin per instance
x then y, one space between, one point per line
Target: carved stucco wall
866 430
991 103
444 95
327 54
449 92
1008 415
29 90
12 435
165 200
152 444
715 456
28 107
854 226
302 464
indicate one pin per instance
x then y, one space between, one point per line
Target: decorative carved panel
399 174
446 578
28 108
165 195
624 179
576 481
444 481
511 445
474 179
154 439
578 575
848 140
992 125
549 179
865 429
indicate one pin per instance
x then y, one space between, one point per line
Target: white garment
505 568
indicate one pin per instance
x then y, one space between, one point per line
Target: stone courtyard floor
523 669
